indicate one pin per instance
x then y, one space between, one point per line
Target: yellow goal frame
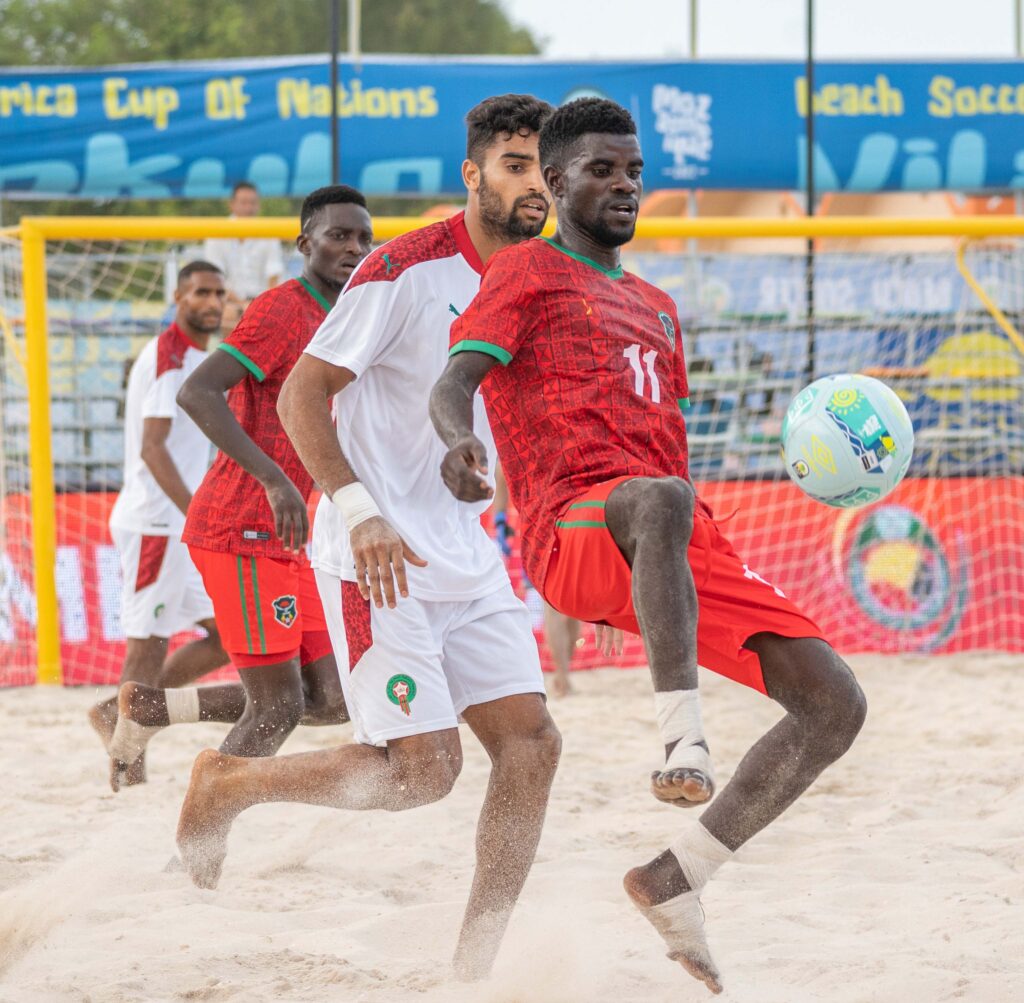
35 231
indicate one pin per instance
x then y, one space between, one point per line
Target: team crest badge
670 328
285 610
401 690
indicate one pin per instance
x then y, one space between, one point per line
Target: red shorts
267 610
589 579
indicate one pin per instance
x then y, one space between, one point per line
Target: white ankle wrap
699 855
130 739
679 718
182 705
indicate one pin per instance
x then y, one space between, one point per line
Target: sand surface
900 876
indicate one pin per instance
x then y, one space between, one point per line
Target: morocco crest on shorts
402 691
285 610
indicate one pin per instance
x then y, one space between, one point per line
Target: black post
811 194
335 128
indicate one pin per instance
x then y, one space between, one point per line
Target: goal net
937 566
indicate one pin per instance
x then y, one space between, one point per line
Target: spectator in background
250 265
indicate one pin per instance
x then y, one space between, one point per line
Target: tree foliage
91 33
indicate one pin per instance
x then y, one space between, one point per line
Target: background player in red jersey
593 445
247 524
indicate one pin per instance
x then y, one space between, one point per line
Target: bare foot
560 686
680 921
124 774
478 945
687 779
141 713
206 816
103 717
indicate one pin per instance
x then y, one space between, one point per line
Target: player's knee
425 775
669 503
282 713
840 709
542 747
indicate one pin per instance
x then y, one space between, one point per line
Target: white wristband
355 504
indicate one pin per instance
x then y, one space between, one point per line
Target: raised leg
409 772
825 709
651 521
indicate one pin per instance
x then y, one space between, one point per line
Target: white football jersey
390 327
153 384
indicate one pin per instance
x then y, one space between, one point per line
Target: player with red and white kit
247 525
165 458
582 368
451 638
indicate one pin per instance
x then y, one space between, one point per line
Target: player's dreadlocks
505 116
331 195
578 118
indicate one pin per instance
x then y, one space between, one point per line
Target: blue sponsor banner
193 129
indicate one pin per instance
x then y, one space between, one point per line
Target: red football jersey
591 384
230 511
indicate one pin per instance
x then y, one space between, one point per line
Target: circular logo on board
902 575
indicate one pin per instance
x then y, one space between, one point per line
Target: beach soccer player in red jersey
247 524
582 371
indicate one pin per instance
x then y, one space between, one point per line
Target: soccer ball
847 440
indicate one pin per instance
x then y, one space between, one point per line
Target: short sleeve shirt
592 381
153 384
230 511
390 328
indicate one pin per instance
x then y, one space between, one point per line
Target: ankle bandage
679 718
182 705
699 855
355 504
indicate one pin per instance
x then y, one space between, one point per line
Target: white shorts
162 592
416 668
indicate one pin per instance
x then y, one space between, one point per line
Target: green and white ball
847 440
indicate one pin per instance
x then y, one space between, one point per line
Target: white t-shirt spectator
248 265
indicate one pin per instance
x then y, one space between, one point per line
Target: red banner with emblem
937 567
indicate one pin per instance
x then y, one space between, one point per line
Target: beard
604 234
507 225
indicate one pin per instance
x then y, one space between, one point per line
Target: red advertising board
938 566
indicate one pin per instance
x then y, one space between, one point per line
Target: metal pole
355 32
1018 30
335 127
693 28
811 195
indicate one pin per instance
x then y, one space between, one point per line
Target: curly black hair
578 118
504 115
330 195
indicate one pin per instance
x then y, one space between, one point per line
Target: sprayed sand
899 876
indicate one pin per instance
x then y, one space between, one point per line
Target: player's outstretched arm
451 410
157 457
202 398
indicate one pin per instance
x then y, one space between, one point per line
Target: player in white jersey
165 458
452 639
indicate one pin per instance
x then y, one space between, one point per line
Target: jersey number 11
640 363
